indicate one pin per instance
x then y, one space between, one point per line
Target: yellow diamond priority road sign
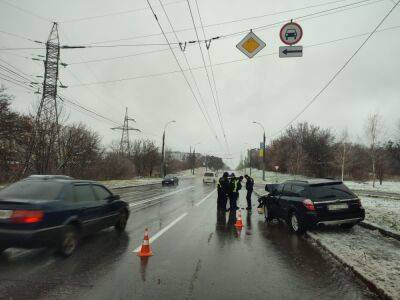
251 44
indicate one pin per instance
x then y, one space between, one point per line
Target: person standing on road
235 186
222 189
249 188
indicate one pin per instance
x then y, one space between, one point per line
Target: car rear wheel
267 214
296 223
122 221
69 241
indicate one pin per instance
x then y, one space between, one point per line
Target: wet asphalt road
201 256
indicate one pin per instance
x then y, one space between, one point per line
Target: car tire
295 223
69 241
267 214
122 221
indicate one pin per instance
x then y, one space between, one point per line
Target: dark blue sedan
56 212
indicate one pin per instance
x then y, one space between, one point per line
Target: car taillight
309 204
27 216
359 203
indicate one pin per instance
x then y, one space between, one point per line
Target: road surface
197 255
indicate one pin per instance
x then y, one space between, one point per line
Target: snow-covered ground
369 253
387 186
382 212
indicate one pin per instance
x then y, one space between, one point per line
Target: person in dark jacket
223 189
234 187
249 188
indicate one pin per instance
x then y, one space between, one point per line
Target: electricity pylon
44 144
124 145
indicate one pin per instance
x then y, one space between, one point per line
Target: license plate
5 214
338 206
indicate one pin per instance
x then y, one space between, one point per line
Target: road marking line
205 198
162 231
159 197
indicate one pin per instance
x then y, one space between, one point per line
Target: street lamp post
194 157
162 173
263 150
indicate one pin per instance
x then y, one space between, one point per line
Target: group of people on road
228 188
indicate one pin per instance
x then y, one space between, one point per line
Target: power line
226 62
218 108
205 68
20 36
26 11
338 72
181 70
189 68
124 12
311 15
21 48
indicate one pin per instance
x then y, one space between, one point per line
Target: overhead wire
227 62
124 12
271 25
188 64
337 73
182 72
26 11
218 108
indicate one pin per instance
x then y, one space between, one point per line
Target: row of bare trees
313 151
26 148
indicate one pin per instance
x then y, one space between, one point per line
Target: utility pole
162 171
263 150
249 151
124 145
44 144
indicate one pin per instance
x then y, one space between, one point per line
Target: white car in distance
209 177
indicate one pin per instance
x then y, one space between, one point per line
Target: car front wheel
296 223
122 221
69 241
267 214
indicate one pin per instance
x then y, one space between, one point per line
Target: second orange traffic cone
239 223
145 250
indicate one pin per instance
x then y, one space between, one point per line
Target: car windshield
209 174
330 192
32 190
169 176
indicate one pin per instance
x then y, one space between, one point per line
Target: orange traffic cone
239 223
145 250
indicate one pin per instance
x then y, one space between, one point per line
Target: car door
90 210
284 200
110 208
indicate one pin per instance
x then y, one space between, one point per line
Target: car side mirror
113 198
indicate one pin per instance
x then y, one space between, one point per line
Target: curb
370 284
381 230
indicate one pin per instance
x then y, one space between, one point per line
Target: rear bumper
30 238
313 219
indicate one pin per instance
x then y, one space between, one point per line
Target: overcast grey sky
267 88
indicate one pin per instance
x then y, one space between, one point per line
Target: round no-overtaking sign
291 33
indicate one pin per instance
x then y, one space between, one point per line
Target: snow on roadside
382 212
130 182
387 186
370 254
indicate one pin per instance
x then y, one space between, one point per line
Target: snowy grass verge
372 257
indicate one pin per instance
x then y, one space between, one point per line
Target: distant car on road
170 180
290 33
48 211
311 203
209 177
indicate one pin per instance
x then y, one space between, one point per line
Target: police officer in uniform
249 188
235 186
222 188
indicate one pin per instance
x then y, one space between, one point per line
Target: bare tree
373 129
